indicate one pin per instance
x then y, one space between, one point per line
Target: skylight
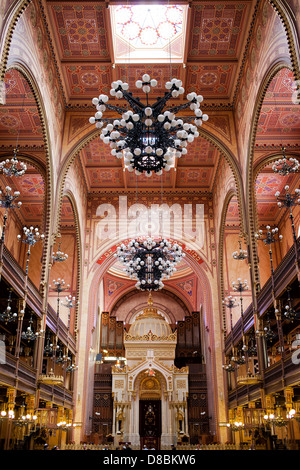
148 33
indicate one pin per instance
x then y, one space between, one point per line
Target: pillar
11 394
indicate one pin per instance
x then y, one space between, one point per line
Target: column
186 419
11 394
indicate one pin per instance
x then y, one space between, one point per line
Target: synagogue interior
149 224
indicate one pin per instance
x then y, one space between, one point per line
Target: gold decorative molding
51 379
151 337
249 380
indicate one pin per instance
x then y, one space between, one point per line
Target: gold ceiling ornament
150 311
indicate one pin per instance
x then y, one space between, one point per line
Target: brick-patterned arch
46 171
252 220
69 195
287 18
231 193
14 15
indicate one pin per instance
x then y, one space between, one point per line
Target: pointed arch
250 185
23 70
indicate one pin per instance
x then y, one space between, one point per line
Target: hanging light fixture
230 303
270 237
268 332
252 348
32 236
13 167
70 302
290 313
284 166
7 201
240 254
147 137
240 286
229 367
48 348
8 316
240 358
289 200
29 334
59 256
72 366
59 286
62 358
149 261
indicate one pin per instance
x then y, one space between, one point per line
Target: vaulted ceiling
80 37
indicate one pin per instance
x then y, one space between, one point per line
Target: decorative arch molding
40 168
12 18
231 193
287 18
139 374
252 219
143 304
97 274
206 304
68 194
218 144
265 161
22 69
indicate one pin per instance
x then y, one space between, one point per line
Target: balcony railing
285 272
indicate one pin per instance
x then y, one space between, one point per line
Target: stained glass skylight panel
148 32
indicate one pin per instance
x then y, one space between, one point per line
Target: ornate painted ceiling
215 42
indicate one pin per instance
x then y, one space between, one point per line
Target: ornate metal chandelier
284 166
147 136
149 261
59 255
29 334
7 201
8 316
289 200
240 254
13 167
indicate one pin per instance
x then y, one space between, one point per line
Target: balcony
285 272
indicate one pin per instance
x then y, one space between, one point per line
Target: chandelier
29 334
32 236
59 255
7 201
13 167
284 166
268 332
149 261
8 316
69 302
290 313
270 237
48 348
289 200
240 254
229 367
148 137
59 286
